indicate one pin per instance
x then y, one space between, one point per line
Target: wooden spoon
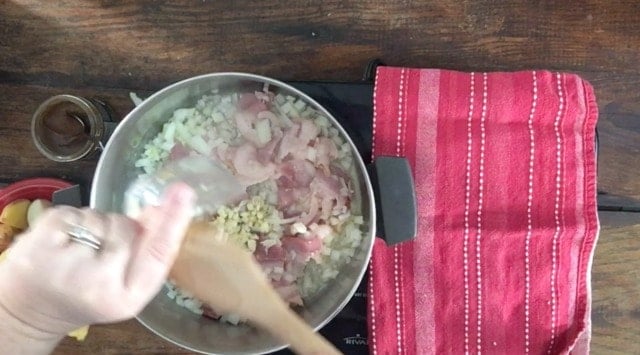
227 278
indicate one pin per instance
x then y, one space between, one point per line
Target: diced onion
263 130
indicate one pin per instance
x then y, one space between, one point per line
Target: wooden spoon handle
288 326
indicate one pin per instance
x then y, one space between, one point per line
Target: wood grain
123 338
112 47
616 285
108 48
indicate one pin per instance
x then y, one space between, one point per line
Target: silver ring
83 236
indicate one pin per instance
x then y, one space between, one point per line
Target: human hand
52 285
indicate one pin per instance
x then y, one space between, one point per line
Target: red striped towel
504 165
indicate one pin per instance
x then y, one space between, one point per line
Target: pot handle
109 124
107 113
395 198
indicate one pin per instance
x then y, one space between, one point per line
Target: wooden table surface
108 48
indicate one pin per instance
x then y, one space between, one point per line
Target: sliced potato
6 236
15 214
36 208
80 334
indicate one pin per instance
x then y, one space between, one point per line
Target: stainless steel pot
116 170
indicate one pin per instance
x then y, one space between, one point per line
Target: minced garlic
245 222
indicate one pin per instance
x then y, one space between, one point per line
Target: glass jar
67 128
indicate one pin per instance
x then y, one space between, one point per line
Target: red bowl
31 189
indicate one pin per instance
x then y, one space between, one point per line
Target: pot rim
158 96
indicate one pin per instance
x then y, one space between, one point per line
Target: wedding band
83 236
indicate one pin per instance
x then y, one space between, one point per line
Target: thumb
163 229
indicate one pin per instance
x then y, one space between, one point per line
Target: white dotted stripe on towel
372 306
556 213
374 349
479 217
400 113
396 252
467 198
375 119
527 272
401 251
406 113
397 299
402 308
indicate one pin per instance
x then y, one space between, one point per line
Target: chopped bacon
296 173
270 265
339 173
224 154
320 230
271 259
327 194
178 152
272 253
296 252
209 312
292 213
302 245
290 143
250 103
326 186
244 122
264 96
250 111
294 265
293 183
286 197
312 214
275 121
326 151
297 138
249 170
308 131
267 153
